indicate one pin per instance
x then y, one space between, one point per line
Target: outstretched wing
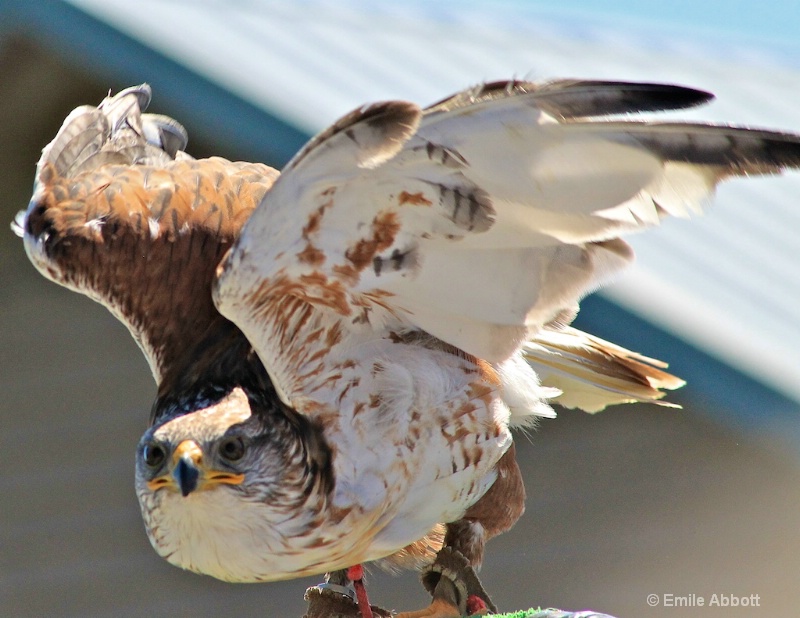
121 214
481 220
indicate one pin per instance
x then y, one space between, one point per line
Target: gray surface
621 505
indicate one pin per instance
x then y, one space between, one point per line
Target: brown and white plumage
388 302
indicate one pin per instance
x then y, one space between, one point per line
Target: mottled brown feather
146 241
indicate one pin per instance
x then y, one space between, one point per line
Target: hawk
342 350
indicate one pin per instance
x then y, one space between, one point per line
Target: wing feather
569 99
121 214
487 218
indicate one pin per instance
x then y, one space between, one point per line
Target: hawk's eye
153 454
232 449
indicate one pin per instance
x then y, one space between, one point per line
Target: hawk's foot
455 587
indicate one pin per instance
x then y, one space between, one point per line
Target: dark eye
153 454
232 449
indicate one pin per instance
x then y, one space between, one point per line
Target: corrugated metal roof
727 282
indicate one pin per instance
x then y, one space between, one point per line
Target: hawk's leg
356 575
451 579
337 599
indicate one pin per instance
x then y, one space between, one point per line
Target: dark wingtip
579 98
667 96
582 99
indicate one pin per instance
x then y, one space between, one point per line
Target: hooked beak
186 475
189 474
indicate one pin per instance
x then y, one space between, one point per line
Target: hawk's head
224 489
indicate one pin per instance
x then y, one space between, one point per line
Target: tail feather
593 374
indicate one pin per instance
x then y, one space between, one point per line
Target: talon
448 594
456 590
